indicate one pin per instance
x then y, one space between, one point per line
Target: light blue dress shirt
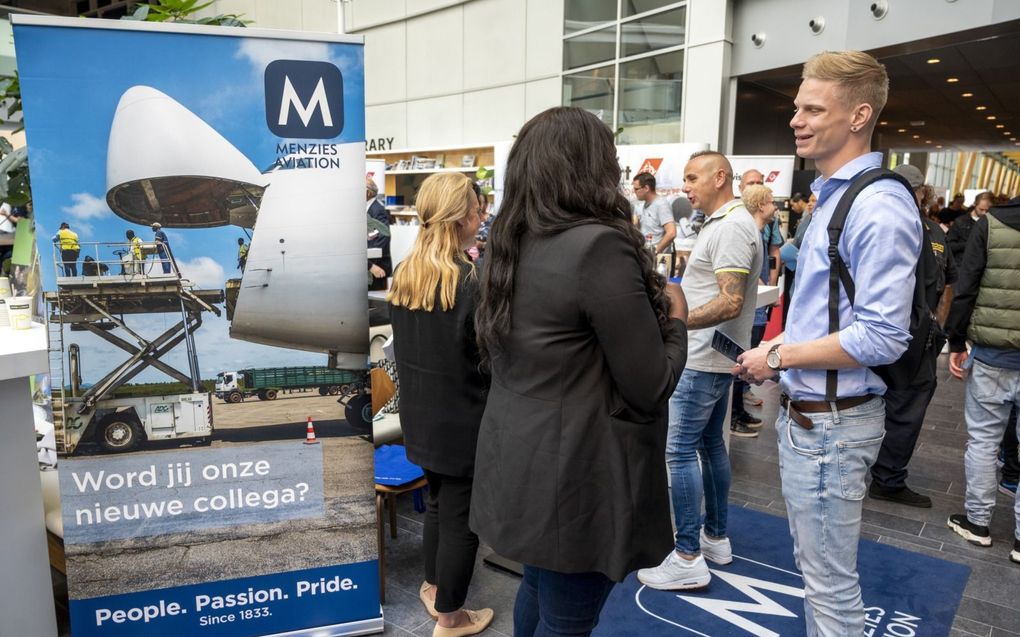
880 244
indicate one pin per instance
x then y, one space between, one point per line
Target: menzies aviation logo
304 100
751 598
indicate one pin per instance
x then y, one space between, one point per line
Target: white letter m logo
318 101
727 610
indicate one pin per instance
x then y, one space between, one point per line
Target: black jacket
945 271
378 212
442 391
570 471
971 269
958 234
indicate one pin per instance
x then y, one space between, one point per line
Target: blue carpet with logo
762 594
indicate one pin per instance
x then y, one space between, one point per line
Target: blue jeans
991 394
550 604
697 414
823 471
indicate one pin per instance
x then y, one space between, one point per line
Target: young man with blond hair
831 424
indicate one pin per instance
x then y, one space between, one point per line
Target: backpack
926 336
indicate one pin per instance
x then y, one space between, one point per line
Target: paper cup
5 321
19 311
5 287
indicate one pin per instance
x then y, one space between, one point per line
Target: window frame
617 60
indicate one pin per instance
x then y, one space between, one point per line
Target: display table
26 591
767 294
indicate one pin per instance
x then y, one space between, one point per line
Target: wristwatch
773 359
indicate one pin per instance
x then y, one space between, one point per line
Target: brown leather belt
797 408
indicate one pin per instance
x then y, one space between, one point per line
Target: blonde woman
442 392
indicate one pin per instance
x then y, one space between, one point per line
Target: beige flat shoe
480 620
430 604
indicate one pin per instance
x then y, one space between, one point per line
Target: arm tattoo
723 307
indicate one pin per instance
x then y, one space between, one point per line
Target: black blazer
570 473
442 391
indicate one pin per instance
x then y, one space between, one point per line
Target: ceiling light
927 141
991 118
966 95
917 137
981 108
1006 132
952 80
938 145
901 130
1000 126
934 61
883 123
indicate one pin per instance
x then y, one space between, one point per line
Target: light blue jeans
697 414
823 471
991 393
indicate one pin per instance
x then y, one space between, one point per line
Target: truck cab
226 382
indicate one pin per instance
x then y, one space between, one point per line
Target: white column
26 591
707 78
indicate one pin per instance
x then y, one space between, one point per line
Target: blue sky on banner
72 80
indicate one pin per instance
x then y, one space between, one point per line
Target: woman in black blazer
442 391
585 343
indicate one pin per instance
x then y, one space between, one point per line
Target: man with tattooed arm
720 283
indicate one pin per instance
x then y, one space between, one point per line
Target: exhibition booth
171 505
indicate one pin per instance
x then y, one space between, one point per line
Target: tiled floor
991 603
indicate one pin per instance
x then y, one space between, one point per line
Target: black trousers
70 259
450 545
904 415
1011 455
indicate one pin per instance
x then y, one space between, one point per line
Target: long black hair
562 172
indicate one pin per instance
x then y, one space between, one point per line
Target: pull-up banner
204 188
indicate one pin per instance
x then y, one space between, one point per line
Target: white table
26 591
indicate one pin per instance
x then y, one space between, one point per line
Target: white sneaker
676 573
716 551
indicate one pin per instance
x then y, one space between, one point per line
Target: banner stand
208 333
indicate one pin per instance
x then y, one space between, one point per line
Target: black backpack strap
838 271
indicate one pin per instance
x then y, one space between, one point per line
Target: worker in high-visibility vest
136 252
242 254
67 241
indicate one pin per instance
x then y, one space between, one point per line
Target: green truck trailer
267 382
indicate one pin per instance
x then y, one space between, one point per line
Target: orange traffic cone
310 435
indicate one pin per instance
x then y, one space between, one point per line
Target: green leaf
141 13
